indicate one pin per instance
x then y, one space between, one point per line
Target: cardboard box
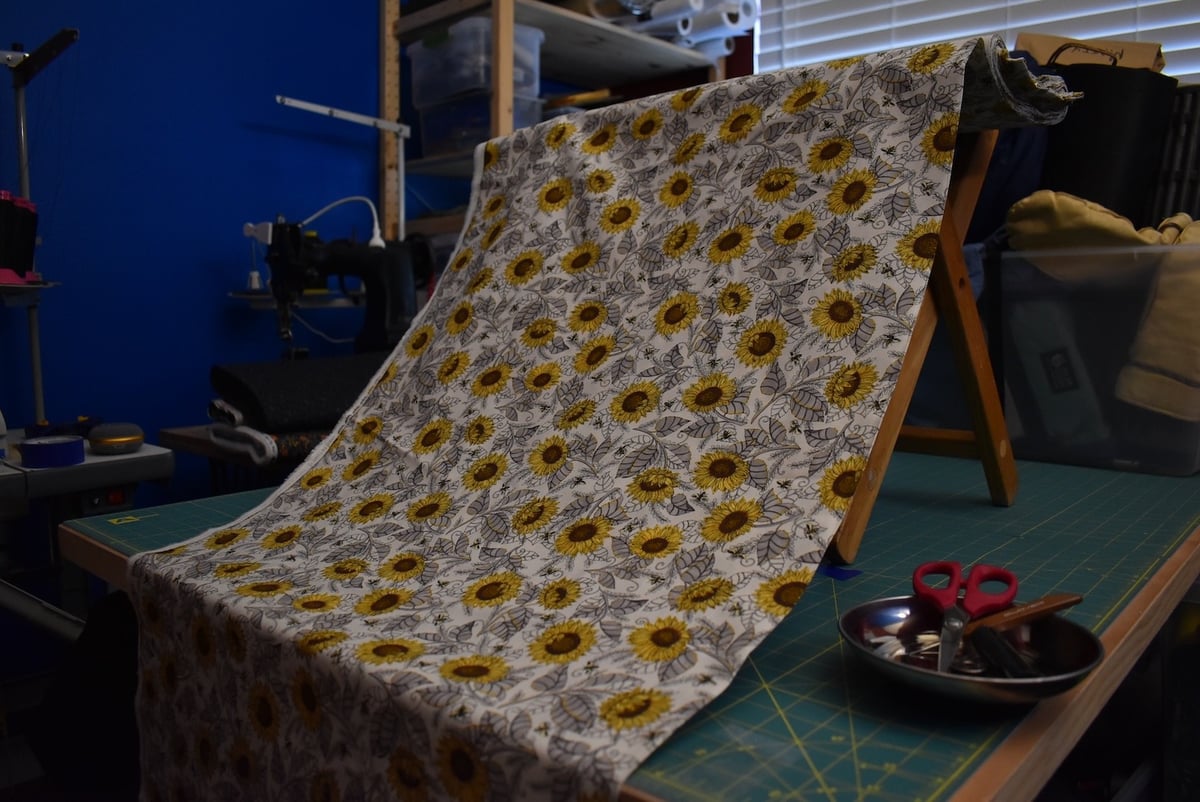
1042 47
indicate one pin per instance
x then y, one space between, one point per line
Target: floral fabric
598 470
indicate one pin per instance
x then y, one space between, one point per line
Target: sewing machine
389 271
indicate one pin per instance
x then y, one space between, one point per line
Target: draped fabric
600 467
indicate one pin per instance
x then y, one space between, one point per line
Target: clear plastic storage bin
464 121
462 62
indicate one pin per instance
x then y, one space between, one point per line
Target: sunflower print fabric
601 466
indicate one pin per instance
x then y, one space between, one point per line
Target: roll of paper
727 19
715 48
668 11
674 28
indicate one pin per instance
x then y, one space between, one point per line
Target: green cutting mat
802 721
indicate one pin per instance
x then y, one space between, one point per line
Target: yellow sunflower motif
322 511
317 603
485 472
842 63
231 570
206 752
837 315
688 149
320 640
480 430
559 134
919 247
361 465
383 600
682 101
839 482
305 699
653 485
491 380
779 595
851 191
563 642
721 471
315 478
406 775
599 181
794 228
432 436
581 257
929 58
805 95
620 215
534 515
677 190
263 712
851 384
223 538
559 594
704 594
635 402
371 508
660 641
854 262
460 262
676 314
493 233
577 414
481 668
740 123
939 140
416 342
204 640
830 154
594 353
479 281
389 373
583 536
345 569
453 366
522 269
548 456
539 332
775 184
493 207
634 709
389 650
280 538
734 298
680 239
543 377
587 316
435 505
647 124
656 541
367 429
463 772
555 195
600 140
460 318
709 393
491 155
265 588
324 788
493 590
762 343
730 520
731 244
243 761
403 566
235 640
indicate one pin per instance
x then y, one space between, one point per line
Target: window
797 32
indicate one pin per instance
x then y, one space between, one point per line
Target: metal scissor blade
952 635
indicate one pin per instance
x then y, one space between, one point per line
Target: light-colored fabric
598 470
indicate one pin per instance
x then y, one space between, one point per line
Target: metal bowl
898 636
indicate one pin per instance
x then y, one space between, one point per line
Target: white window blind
797 32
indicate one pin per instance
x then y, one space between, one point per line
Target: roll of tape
52 452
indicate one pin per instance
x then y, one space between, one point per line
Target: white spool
726 20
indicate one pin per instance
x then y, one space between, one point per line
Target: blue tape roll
51 452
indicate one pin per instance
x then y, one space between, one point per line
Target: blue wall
153 139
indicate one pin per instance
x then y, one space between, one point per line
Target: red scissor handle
976 601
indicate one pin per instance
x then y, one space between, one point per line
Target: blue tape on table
52 452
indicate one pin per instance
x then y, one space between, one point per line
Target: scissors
956 611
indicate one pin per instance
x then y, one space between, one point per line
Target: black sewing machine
300 261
